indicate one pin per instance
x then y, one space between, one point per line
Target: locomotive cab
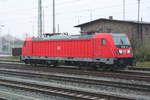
123 51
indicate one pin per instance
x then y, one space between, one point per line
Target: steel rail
1 98
10 61
141 69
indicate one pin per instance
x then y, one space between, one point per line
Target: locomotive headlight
120 51
128 51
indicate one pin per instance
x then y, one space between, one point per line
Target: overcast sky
20 16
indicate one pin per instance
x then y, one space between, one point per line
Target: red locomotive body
103 50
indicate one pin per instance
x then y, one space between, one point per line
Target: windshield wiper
121 41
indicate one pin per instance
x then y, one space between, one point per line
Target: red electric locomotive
101 50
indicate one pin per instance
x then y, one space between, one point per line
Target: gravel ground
98 89
17 94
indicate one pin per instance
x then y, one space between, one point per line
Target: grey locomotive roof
104 19
120 34
60 37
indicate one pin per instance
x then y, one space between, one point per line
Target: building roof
111 20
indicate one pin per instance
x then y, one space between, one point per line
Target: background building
134 29
8 42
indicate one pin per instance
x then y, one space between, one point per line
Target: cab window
103 41
121 40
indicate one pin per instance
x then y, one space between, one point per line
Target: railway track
91 82
125 72
25 71
140 76
58 91
11 62
78 80
19 62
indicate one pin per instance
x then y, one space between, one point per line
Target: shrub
142 51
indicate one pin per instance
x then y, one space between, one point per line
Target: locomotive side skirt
103 60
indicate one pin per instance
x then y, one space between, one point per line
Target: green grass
15 58
144 64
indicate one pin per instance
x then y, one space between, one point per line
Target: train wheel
55 64
104 68
80 65
123 68
94 67
27 62
48 64
119 67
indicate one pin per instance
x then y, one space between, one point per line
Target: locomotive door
97 48
30 48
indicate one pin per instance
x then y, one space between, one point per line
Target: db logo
58 48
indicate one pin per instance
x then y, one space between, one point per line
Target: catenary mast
40 32
54 30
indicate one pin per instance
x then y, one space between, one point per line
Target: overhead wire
99 8
84 10
67 2
74 11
